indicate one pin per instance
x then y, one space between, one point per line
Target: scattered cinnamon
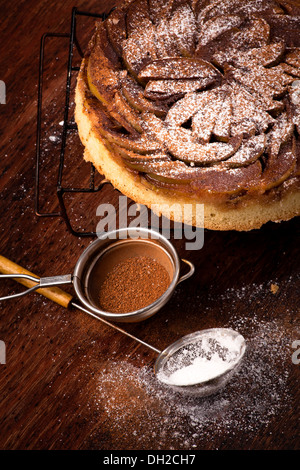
133 284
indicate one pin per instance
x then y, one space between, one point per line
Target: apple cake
197 102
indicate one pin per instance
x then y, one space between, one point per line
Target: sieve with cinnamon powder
132 284
128 275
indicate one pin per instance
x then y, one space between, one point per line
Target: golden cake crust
245 176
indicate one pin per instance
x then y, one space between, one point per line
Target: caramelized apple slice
116 29
174 172
183 28
180 143
286 27
169 88
265 56
163 6
140 144
177 69
278 169
185 108
164 44
136 158
187 150
137 17
249 152
222 125
267 81
248 115
209 9
293 58
203 121
99 115
134 95
227 181
262 96
215 27
280 134
254 36
102 79
139 50
102 68
124 110
294 93
288 72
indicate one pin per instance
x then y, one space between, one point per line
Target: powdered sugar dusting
216 26
249 151
156 417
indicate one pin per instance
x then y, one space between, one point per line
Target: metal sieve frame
208 387
85 263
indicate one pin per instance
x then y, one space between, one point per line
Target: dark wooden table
69 381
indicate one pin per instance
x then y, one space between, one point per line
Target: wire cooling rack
68 127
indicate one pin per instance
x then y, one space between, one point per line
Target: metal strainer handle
189 273
43 282
10 269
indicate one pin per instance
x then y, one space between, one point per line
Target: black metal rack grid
68 127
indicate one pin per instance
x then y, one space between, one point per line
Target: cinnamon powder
133 284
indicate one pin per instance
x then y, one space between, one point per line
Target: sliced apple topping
185 108
280 134
178 69
167 171
198 92
164 45
164 7
116 29
278 169
248 115
122 108
265 56
138 17
255 35
102 70
188 150
140 144
222 125
183 27
134 94
164 89
182 145
268 82
203 121
215 27
249 151
294 93
139 50
228 181
134 157
293 58
102 88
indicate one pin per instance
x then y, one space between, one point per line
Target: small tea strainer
90 270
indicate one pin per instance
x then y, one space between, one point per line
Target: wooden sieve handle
53 293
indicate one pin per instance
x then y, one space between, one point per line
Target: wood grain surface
71 382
